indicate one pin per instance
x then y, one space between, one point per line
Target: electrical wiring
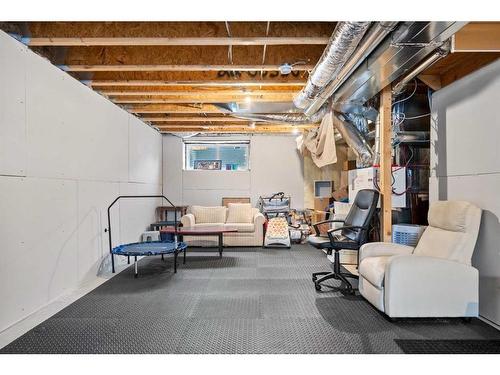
393 178
419 116
399 117
409 96
397 169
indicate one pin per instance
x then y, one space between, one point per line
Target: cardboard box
317 217
349 164
321 204
341 194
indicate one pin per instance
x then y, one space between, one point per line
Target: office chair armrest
325 222
341 228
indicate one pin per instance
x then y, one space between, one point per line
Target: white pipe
435 56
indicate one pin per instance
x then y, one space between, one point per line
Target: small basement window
227 155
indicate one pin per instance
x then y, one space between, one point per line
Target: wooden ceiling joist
193 119
237 83
174 108
161 41
203 98
212 93
477 37
179 108
170 74
179 68
268 128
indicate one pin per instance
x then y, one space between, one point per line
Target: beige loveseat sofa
247 219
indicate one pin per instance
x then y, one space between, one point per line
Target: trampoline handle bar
108 229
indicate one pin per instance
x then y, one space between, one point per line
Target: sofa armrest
188 220
378 249
259 219
427 286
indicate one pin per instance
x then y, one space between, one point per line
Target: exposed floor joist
161 41
477 37
458 65
155 69
178 68
156 83
174 108
193 119
193 93
235 129
208 100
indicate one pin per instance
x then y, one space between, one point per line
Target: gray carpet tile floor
253 300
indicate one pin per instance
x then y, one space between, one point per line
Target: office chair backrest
360 214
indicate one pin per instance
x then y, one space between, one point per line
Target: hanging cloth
321 144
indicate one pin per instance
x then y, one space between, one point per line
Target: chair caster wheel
317 286
136 276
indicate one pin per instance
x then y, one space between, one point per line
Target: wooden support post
386 162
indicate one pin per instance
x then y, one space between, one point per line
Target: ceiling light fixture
285 69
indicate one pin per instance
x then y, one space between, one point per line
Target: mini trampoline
151 248
144 248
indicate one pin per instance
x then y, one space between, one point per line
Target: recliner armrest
423 283
188 220
378 249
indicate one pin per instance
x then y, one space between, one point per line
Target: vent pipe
373 38
354 140
343 42
287 118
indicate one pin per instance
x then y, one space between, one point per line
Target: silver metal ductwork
377 33
354 140
286 118
343 42
408 45
435 56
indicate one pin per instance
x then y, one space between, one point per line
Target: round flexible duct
343 42
354 140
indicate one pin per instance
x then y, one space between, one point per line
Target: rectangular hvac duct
409 44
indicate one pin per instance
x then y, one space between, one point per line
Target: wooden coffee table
215 230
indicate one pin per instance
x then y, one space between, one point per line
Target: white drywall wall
65 154
275 166
465 165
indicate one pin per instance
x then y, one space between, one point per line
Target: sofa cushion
208 225
209 214
239 213
373 269
242 227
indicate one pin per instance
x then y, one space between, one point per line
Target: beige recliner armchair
434 279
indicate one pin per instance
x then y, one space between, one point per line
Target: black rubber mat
252 300
450 346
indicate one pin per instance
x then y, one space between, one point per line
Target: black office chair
352 235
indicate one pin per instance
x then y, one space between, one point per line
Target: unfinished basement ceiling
174 75
189 76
